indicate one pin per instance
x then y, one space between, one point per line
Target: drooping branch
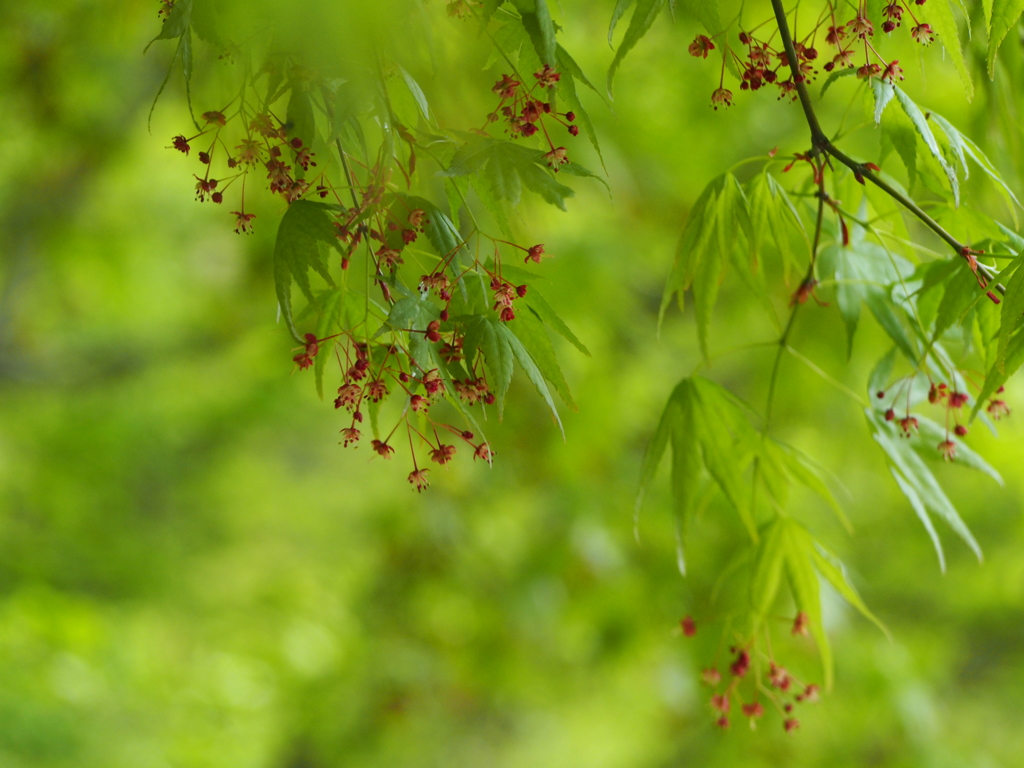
821 145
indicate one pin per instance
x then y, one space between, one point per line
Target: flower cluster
763 63
746 685
371 214
264 145
525 114
952 401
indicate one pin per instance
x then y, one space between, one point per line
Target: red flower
506 87
700 46
742 663
483 451
533 253
778 677
547 77
923 34
351 435
721 96
348 396
711 676
382 449
419 479
432 381
861 27
689 626
907 424
753 709
800 624
997 409
791 724
181 144
556 157
893 71
242 220
948 450
204 188
957 400
961 430
720 701
442 454
216 118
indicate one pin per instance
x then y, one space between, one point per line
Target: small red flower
418 403
720 701
689 626
742 663
923 34
801 624
961 430
534 253
557 157
860 26
348 396
791 724
997 409
778 677
483 451
948 450
242 219
893 71
890 414
700 46
506 87
181 144
722 722
419 480
547 77
711 676
753 709
442 454
907 425
721 96
957 399
350 435
383 449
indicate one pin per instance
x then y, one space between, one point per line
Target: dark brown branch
821 145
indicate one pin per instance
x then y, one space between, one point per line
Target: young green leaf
916 473
303 225
536 19
530 330
832 569
490 337
539 304
640 22
922 514
768 564
1003 18
529 366
803 580
883 95
920 122
940 15
1010 311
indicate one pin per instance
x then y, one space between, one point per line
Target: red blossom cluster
526 114
951 401
779 688
264 144
762 63
246 137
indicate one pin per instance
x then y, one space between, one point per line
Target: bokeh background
194 573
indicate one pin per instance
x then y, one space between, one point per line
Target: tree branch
822 145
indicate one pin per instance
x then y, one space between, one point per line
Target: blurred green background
194 573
